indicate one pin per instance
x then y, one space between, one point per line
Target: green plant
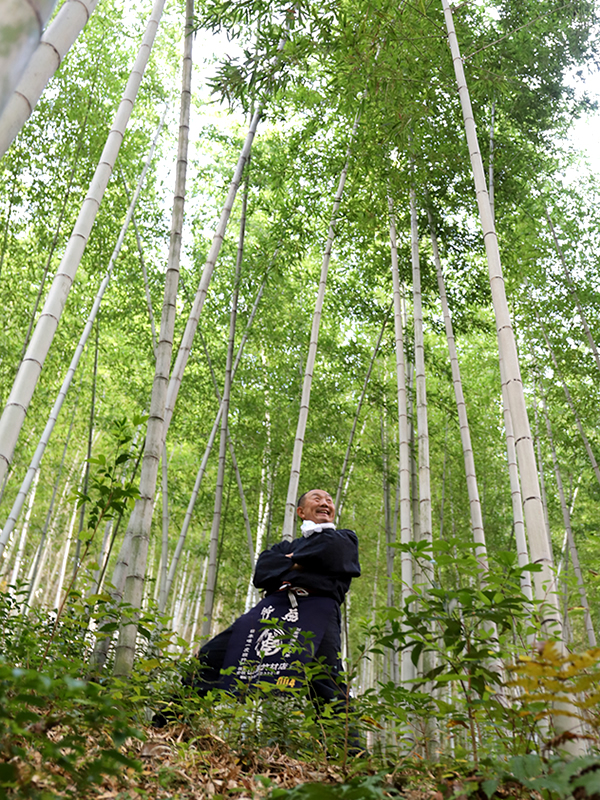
71 727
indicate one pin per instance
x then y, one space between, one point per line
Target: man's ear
300 512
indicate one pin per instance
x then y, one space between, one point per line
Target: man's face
317 506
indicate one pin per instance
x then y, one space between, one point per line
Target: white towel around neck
309 527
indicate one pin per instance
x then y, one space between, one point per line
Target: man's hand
294 566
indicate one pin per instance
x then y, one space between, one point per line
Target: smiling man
305 581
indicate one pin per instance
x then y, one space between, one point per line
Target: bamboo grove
348 254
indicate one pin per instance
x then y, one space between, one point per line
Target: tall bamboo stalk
86 476
24 26
491 160
45 544
164 554
213 254
465 433
211 575
199 600
290 505
45 60
65 558
515 491
36 568
50 256
545 583
60 398
31 366
22 539
209 445
234 463
407 668
138 529
421 390
338 494
587 617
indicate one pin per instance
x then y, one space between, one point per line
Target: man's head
317 506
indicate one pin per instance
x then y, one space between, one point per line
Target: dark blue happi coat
275 639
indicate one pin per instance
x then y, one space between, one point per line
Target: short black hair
301 499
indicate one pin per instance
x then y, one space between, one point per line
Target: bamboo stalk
164 555
25 23
589 626
234 462
465 432
31 366
545 583
61 216
86 476
290 505
45 60
23 534
36 567
138 529
426 527
213 254
407 668
515 492
209 445
60 398
65 559
199 600
338 494
211 576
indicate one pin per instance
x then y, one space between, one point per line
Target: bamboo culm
209 445
407 668
61 216
138 529
545 583
164 554
58 403
194 317
31 366
211 259
61 465
465 433
290 505
421 389
338 494
589 627
515 492
234 462
211 575
27 22
45 60
86 476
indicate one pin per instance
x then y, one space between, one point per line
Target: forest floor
177 763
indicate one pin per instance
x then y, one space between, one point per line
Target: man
305 581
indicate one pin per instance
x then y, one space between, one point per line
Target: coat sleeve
273 566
